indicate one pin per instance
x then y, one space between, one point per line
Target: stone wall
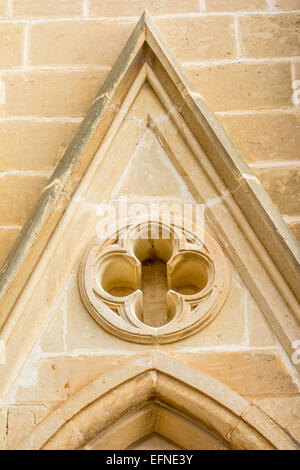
243 56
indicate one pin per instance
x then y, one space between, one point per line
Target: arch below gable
156 393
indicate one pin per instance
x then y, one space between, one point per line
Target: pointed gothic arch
156 393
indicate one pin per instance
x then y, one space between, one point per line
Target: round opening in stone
118 275
190 273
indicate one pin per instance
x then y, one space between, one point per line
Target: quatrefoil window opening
150 289
156 275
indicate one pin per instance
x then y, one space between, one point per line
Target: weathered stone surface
268 432
295 229
52 43
83 333
11 44
7 238
3 9
265 136
58 378
21 420
265 371
296 82
117 8
18 194
283 186
46 8
195 39
154 442
270 36
3 418
285 411
236 5
73 349
244 86
150 172
33 145
43 93
259 331
228 328
137 426
219 409
191 437
287 4
36 439
52 339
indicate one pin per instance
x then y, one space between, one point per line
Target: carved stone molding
107 411
153 282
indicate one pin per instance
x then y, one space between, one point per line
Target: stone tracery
153 282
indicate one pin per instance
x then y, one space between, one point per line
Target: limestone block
244 86
150 171
264 371
7 238
3 419
110 381
155 442
270 36
287 4
3 9
259 331
247 438
285 411
201 406
21 420
76 43
82 331
265 136
115 161
18 194
267 427
296 95
58 378
136 7
52 339
88 424
11 44
129 430
213 391
44 92
195 39
59 264
283 186
236 5
53 423
227 328
190 437
46 8
33 145
295 229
